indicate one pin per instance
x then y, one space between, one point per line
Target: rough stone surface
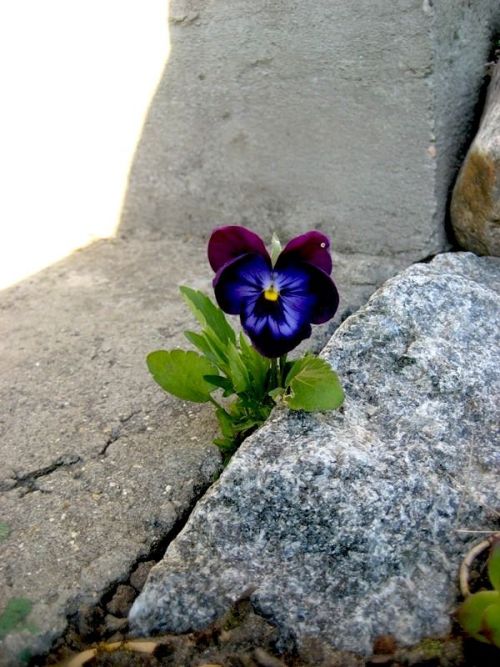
345 116
97 463
475 205
347 526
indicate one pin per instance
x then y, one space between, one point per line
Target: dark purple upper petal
312 247
241 282
227 243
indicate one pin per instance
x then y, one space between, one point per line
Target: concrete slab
98 464
343 116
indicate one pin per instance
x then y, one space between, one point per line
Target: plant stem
282 370
217 405
274 373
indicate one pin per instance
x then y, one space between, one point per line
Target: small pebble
115 624
120 603
140 574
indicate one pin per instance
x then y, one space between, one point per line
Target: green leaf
218 347
470 613
182 374
200 341
313 385
276 394
4 531
494 565
226 445
225 423
14 616
237 370
490 627
258 366
208 314
221 382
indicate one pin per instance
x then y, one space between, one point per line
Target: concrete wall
347 116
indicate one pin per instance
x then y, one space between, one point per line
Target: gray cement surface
350 117
97 463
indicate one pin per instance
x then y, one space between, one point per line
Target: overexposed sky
77 78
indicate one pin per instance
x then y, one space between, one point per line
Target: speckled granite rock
475 205
346 526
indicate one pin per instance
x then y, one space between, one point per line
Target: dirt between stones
97 637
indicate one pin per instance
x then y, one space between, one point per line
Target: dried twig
468 560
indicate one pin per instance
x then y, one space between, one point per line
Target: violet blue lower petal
312 247
227 243
271 331
270 345
241 280
327 296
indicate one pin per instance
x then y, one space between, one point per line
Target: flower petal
276 327
312 247
241 282
273 336
227 243
327 296
308 290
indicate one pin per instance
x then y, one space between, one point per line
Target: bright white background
76 80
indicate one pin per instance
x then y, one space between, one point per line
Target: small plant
4 531
13 617
479 614
277 296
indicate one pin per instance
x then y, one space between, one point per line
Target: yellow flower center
271 293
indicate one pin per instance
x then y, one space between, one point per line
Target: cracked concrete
98 464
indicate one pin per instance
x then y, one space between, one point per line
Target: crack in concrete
79 634
28 482
116 431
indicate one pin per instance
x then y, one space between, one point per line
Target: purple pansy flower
277 304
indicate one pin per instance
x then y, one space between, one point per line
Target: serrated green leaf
182 374
208 314
490 626
14 616
470 613
494 565
312 386
4 531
